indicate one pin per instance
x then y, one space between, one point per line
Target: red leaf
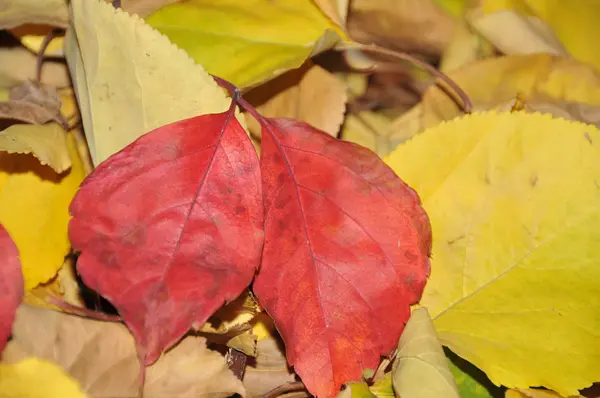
346 253
171 227
11 285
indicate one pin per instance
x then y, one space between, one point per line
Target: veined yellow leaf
514 204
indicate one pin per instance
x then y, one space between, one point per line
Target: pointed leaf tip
346 253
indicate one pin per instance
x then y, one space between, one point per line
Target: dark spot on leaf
343 387
281 178
410 278
218 282
162 294
229 190
410 256
588 138
533 180
281 224
239 209
486 178
453 241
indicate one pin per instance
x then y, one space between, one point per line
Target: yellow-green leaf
420 369
37 378
514 204
130 79
247 42
34 202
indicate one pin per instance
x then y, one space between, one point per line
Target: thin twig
284 389
42 53
372 48
79 311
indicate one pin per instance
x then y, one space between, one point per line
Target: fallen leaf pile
364 198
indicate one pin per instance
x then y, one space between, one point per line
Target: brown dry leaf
496 81
101 356
43 12
19 65
310 94
31 103
405 25
269 369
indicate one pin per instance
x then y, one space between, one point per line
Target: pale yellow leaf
102 357
465 47
47 12
513 33
514 205
571 26
495 81
130 79
37 378
46 142
18 65
248 42
336 10
34 203
368 129
420 369
310 94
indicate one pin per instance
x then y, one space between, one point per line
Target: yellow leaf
102 357
129 79
47 142
37 378
310 94
494 81
574 24
465 47
34 203
43 12
514 205
420 369
247 42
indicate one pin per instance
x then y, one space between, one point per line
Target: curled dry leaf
310 94
334 213
420 369
514 202
102 357
31 103
11 284
121 66
189 195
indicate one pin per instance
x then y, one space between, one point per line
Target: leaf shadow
477 375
